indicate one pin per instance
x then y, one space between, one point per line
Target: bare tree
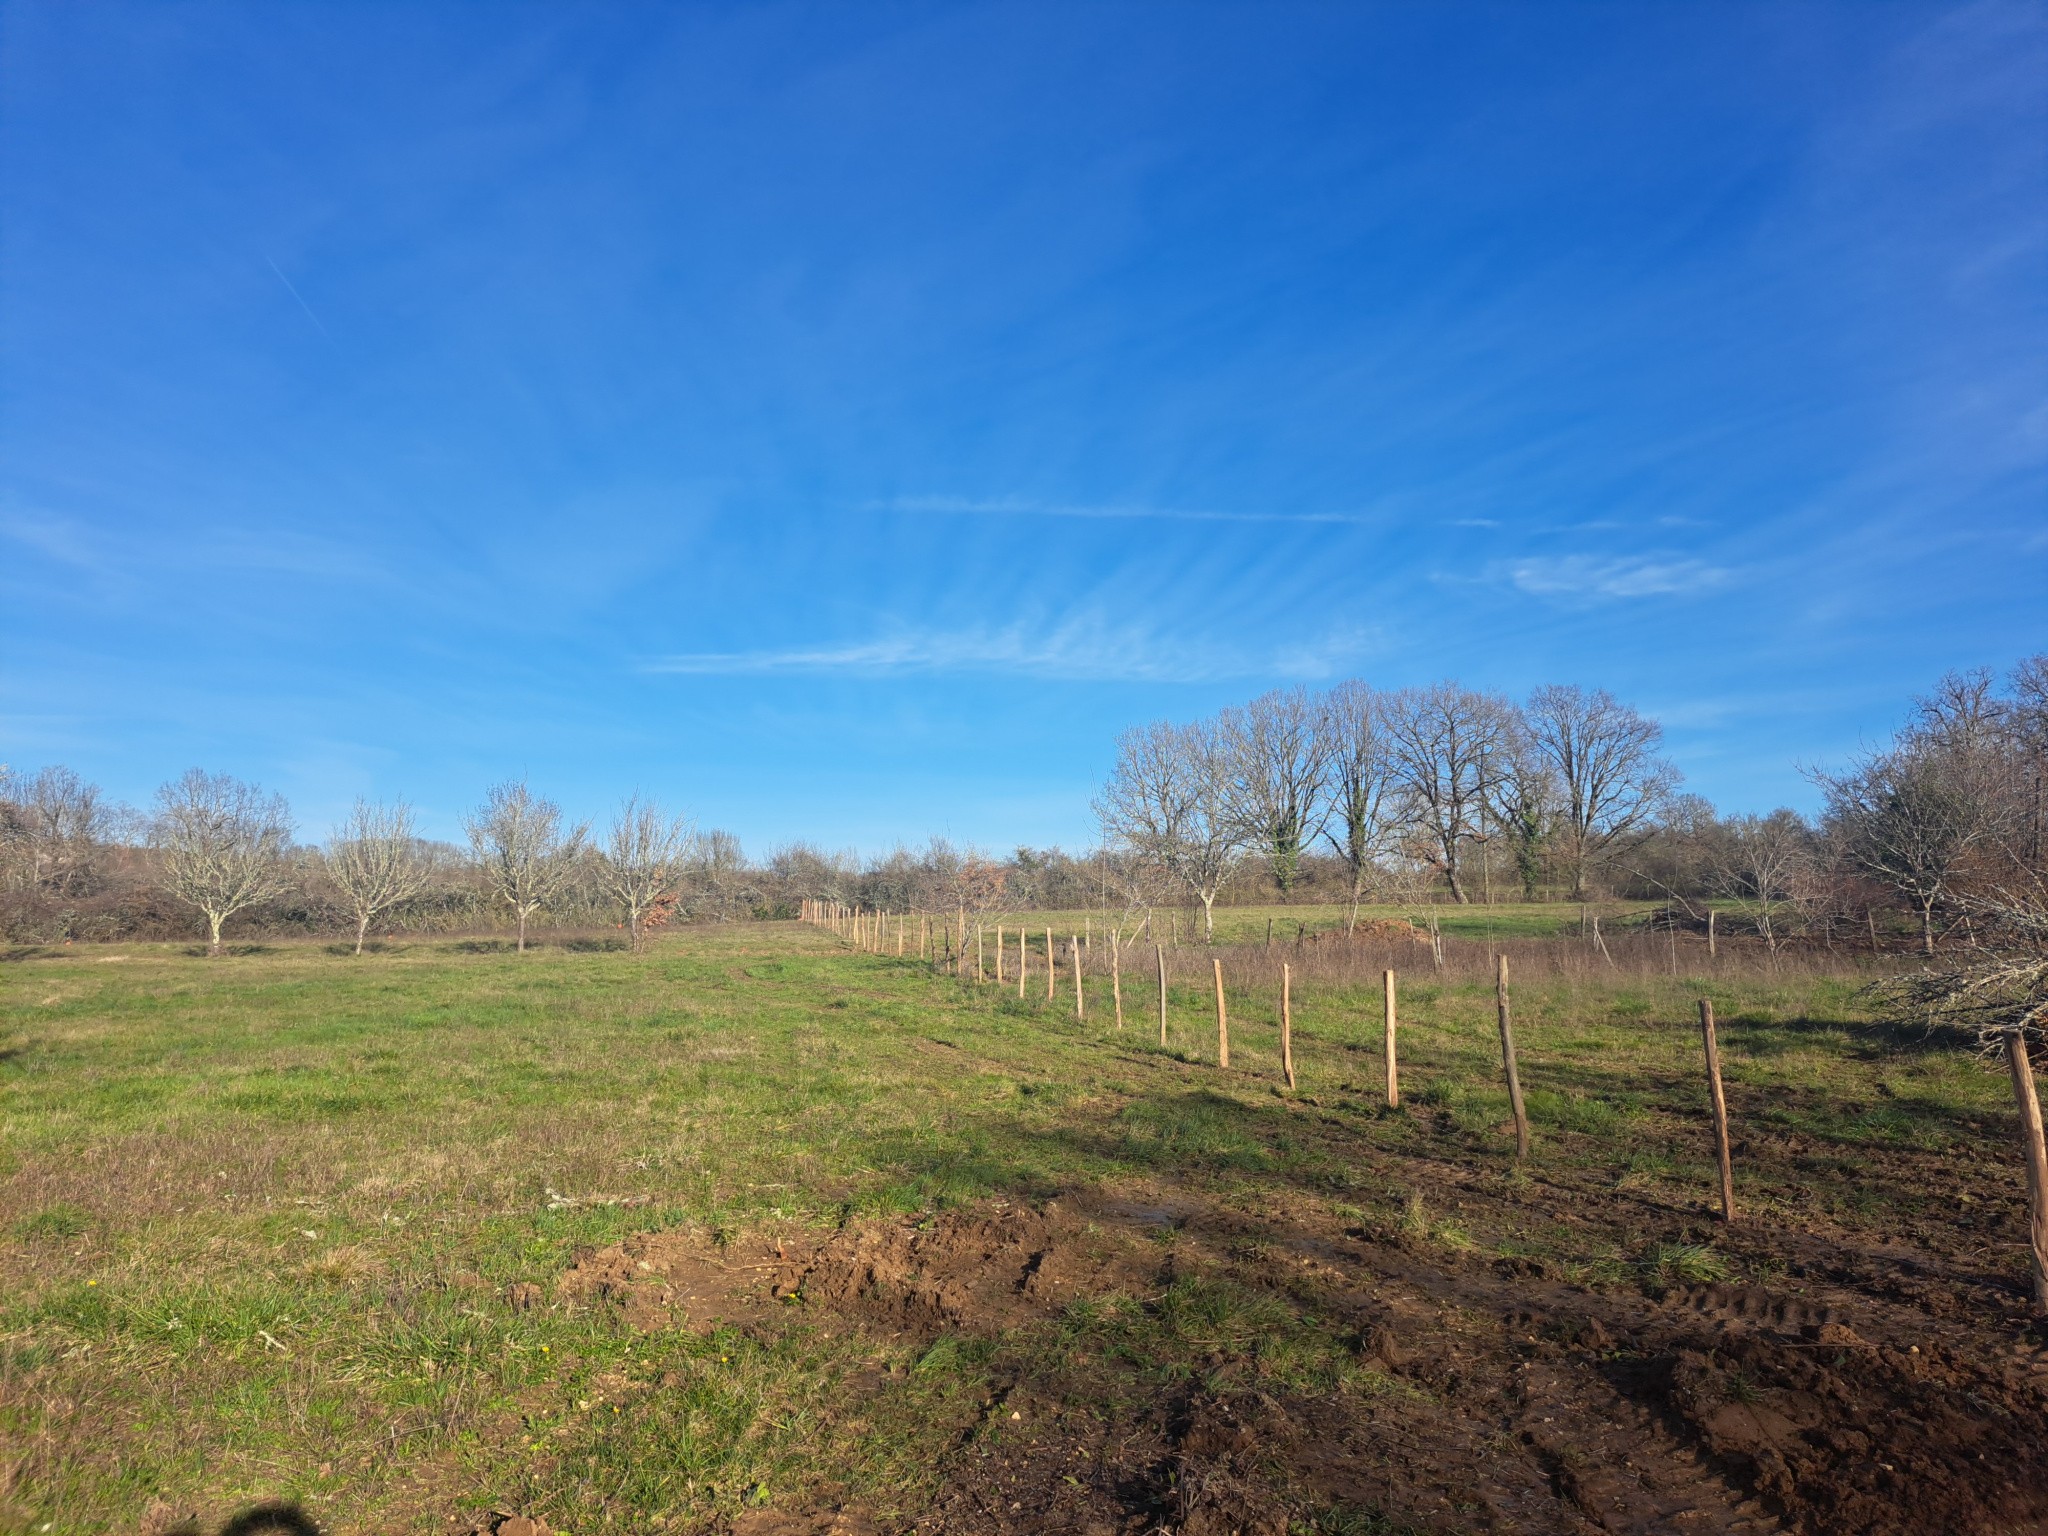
1913 818
1362 792
1611 783
222 845
642 860
1762 859
801 870
518 840
1168 801
55 828
1449 750
720 883
1280 773
1526 808
375 860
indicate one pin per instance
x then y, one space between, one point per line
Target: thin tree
1914 819
1168 801
1279 776
221 845
375 860
1611 783
1763 859
520 844
642 861
1449 748
1362 794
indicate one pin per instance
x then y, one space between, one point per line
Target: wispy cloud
1080 651
54 538
295 294
1594 578
1012 506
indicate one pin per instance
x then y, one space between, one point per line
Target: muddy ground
1159 1361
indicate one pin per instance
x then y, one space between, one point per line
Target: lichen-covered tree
641 863
376 861
523 849
221 846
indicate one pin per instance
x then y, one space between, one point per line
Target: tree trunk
1927 927
1209 918
1457 886
633 928
522 930
213 922
362 928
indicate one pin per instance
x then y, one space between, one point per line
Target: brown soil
1866 1389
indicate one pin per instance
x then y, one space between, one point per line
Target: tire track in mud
1861 1401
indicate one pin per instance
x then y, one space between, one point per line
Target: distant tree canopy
1347 795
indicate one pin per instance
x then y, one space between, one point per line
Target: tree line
213 847
1351 794
1567 793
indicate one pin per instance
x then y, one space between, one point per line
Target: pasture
751 1229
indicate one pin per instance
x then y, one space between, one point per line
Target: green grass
1248 925
261 1214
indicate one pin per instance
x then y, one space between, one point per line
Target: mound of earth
1482 1395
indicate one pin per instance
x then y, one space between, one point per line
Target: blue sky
841 420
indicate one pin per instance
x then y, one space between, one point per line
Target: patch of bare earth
1853 1396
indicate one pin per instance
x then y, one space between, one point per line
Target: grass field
1249 925
294 1224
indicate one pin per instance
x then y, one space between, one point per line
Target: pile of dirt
1373 930
1487 1395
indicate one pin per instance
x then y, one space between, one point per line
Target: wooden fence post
1023 960
2036 1151
1393 1071
1720 1101
999 955
1711 915
1080 997
1287 1024
1159 952
1052 968
1269 933
1116 975
1222 1019
979 976
1507 1056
